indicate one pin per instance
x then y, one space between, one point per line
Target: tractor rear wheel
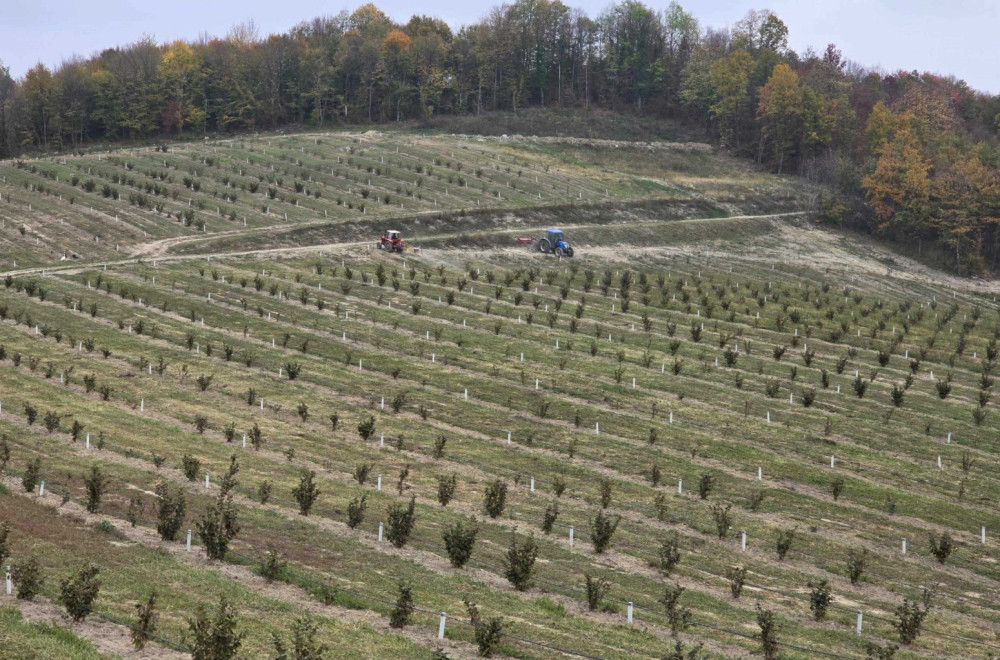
543 246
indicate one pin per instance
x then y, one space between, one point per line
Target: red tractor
391 241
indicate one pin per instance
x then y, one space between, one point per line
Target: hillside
711 362
147 202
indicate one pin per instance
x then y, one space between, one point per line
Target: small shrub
606 486
705 485
27 575
602 528
597 589
784 542
520 562
306 492
768 634
857 561
679 617
32 474
772 387
487 633
909 620
356 509
941 546
860 386
808 397
669 554
304 644
446 488
191 466
459 540
366 428
549 517
495 498
737 576
145 625
271 565
401 519
943 389
897 395
875 651
171 510
214 637
837 487
95 482
723 522
218 526
361 472
77 594
264 491
819 599
402 610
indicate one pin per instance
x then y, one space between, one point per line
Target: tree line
911 156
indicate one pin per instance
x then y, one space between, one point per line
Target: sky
956 37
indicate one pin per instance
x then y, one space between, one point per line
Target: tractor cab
391 241
555 243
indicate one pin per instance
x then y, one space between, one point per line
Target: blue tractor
554 243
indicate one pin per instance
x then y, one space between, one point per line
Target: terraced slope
146 202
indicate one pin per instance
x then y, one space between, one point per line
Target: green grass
23 641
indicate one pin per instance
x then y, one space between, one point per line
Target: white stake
859 623
189 541
743 540
571 530
904 546
630 613
380 532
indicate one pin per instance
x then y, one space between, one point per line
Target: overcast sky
954 37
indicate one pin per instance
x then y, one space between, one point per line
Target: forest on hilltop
912 156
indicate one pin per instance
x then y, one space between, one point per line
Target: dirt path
160 250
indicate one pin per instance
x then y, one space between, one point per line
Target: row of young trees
915 153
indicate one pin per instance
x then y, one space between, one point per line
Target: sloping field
147 202
653 404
